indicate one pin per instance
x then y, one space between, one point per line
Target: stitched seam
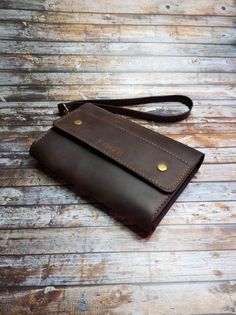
127 165
43 137
133 134
145 140
153 144
139 137
160 209
165 201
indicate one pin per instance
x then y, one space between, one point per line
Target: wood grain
22 159
191 128
121 78
37 177
92 215
60 63
117 268
45 115
55 17
211 7
116 49
120 33
46 195
123 299
19 141
52 106
88 240
71 92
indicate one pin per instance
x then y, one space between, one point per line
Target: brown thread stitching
129 132
145 140
160 209
140 137
43 137
127 165
165 201
153 218
148 141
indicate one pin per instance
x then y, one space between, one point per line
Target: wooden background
60 254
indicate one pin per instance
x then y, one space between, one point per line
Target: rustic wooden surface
59 253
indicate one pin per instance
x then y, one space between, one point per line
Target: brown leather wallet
135 172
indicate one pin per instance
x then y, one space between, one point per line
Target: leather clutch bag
135 172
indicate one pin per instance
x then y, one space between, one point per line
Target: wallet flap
114 137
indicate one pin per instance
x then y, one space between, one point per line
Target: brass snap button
162 167
78 122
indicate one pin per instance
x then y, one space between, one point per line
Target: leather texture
115 161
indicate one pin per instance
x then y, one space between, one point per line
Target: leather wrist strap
116 106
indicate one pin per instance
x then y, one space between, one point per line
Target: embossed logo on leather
110 148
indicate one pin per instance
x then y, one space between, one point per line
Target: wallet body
135 172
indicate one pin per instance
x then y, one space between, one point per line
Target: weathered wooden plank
16 159
123 299
117 268
120 33
44 116
23 159
40 195
118 49
116 239
66 216
189 128
28 177
211 171
198 111
22 141
219 155
212 7
27 120
203 140
71 92
46 195
8 78
182 128
52 105
37 176
78 64
111 18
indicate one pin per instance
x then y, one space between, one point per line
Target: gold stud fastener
78 122
162 167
